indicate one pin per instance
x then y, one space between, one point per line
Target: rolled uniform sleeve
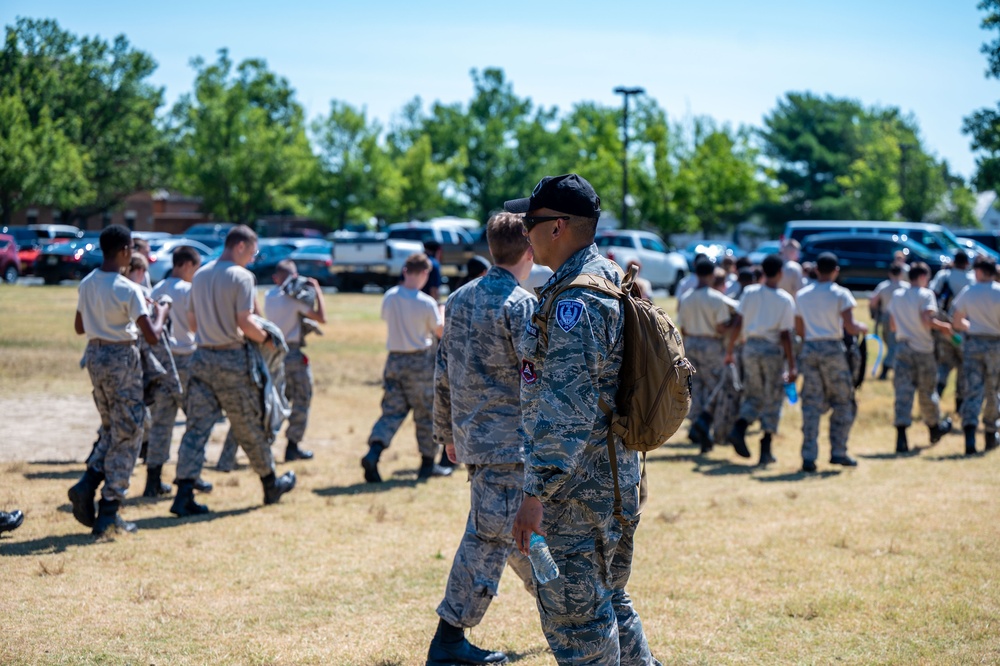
564 406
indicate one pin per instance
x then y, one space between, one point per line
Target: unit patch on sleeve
568 313
528 372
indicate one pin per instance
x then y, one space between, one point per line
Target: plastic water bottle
956 339
542 564
791 393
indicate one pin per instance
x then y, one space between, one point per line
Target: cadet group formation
522 408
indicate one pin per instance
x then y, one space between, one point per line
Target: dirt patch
47 427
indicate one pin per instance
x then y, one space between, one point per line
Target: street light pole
626 93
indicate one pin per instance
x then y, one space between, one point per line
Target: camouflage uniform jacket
566 454
477 401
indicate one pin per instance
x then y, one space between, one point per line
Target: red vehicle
10 263
31 239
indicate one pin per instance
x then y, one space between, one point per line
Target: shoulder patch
568 313
528 372
531 329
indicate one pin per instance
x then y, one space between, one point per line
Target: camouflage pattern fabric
586 619
915 372
221 380
487 545
116 374
981 367
889 337
724 403
763 383
477 391
299 391
826 384
949 357
408 381
164 413
708 357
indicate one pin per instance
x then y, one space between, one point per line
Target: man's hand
314 282
449 448
527 521
790 376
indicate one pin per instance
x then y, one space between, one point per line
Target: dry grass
892 562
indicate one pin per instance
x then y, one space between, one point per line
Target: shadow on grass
514 657
47 463
890 456
951 457
59 544
799 476
66 475
364 487
722 468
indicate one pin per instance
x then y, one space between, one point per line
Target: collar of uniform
499 273
572 266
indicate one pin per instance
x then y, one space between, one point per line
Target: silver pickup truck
361 258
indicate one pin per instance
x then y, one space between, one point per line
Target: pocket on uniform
493 508
574 593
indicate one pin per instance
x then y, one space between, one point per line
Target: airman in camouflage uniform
824 312
911 317
587 616
977 312
477 418
112 312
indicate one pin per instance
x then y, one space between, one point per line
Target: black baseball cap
570 194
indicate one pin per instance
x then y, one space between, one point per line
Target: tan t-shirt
907 308
109 305
219 290
791 278
980 304
766 312
702 309
413 318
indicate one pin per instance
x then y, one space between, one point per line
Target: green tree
240 141
984 124
91 95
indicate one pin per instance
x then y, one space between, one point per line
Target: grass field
894 562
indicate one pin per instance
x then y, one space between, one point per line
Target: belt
97 342
227 347
983 336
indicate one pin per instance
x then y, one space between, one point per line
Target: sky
732 60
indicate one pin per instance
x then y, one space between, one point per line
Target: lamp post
626 93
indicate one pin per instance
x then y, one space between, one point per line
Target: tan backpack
654 384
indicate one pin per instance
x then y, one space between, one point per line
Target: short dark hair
895 270
772 265
746 277
986 265
743 262
114 239
431 247
185 254
704 268
827 263
285 267
241 233
961 259
917 269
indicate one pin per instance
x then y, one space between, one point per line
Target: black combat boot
274 488
902 446
429 468
737 437
958 405
109 520
992 441
154 486
700 430
765 451
184 504
82 496
370 462
450 646
942 428
293 452
202 486
970 440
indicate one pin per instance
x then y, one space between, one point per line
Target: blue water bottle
542 564
791 393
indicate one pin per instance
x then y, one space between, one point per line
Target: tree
240 141
92 96
984 125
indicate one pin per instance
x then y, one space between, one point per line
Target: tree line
82 126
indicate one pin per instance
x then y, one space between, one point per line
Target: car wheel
10 275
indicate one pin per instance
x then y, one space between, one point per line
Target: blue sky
728 59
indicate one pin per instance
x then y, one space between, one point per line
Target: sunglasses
531 222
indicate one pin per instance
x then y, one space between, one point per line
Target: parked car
361 258
932 236
714 250
975 247
764 249
161 252
315 261
10 263
865 258
272 250
988 237
456 242
31 239
210 234
662 266
72 260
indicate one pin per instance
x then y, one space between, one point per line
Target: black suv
865 258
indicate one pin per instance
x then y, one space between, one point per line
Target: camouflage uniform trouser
299 391
763 385
164 412
708 356
949 357
220 380
915 372
587 616
116 374
487 545
826 384
891 345
408 381
981 367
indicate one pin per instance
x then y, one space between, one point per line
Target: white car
662 267
161 251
